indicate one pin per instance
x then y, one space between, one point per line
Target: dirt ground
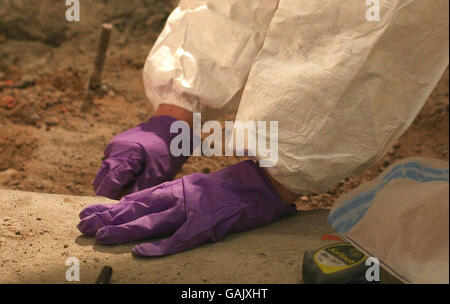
48 145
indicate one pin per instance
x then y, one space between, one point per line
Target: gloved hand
139 158
195 209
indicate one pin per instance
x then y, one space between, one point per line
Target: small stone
104 88
206 170
26 81
18 233
34 118
65 245
7 102
122 41
52 121
332 191
38 219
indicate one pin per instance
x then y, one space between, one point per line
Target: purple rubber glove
139 158
195 209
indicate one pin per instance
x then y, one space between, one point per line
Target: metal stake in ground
96 76
105 275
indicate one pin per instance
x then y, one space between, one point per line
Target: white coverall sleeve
341 87
204 54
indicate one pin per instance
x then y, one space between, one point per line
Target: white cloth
342 89
401 218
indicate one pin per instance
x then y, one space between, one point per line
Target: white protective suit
342 88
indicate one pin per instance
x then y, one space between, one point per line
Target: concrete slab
38 235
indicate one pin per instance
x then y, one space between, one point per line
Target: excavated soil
48 145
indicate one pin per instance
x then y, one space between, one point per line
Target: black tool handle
105 275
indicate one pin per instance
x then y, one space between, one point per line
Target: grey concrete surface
38 235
